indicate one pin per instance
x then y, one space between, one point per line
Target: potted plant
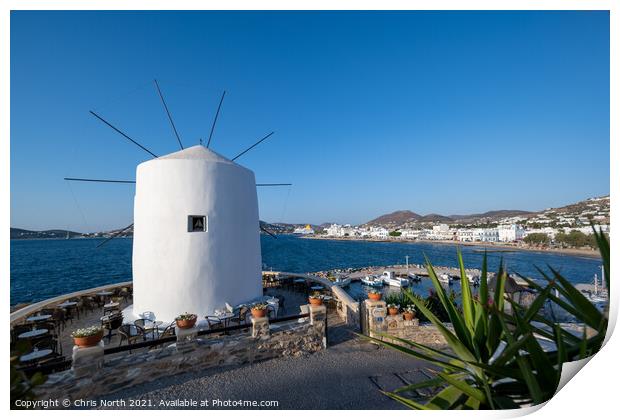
410 313
259 310
186 321
393 308
87 337
316 299
374 295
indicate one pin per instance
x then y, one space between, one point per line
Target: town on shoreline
582 252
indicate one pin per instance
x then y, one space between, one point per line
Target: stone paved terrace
349 374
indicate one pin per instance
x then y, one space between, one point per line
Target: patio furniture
88 303
126 332
111 307
38 318
47 342
148 315
124 294
28 335
36 355
111 322
18 330
280 298
214 322
147 327
240 315
146 334
58 315
169 331
69 308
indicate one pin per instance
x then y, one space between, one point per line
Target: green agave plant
495 359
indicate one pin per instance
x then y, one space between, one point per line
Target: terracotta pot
409 316
315 301
393 311
374 296
259 313
90 341
186 324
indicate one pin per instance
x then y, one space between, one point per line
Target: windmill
196 228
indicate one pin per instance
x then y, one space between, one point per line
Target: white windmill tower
196 240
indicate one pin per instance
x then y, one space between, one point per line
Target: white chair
229 308
148 315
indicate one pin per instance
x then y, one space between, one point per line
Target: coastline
590 253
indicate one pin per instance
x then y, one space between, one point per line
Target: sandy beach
592 253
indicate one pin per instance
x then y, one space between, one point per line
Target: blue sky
442 112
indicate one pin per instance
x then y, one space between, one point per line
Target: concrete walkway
347 375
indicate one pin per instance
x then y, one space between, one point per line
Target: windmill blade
253 146
123 134
120 232
273 235
169 115
124 181
215 119
116 181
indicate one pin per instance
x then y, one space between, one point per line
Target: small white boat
445 278
475 280
414 277
372 281
390 279
342 282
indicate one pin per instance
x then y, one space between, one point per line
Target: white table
67 304
33 333
317 287
38 318
111 305
104 293
37 354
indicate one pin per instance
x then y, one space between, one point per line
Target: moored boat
390 279
342 282
372 281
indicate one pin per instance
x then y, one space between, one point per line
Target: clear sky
435 112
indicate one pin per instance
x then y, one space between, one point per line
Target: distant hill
17 233
402 218
494 214
395 219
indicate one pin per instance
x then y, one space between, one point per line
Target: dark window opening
197 224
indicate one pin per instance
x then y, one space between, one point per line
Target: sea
45 268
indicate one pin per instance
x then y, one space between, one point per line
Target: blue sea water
41 269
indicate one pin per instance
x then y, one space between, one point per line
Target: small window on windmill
197 224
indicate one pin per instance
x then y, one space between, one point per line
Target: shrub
495 360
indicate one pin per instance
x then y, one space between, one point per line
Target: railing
173 338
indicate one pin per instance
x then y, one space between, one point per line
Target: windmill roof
197 152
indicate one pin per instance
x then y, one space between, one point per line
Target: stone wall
94 374
347 308
378 324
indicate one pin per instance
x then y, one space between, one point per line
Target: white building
196 240
466 235
379 232
441 232
486 234
510 233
